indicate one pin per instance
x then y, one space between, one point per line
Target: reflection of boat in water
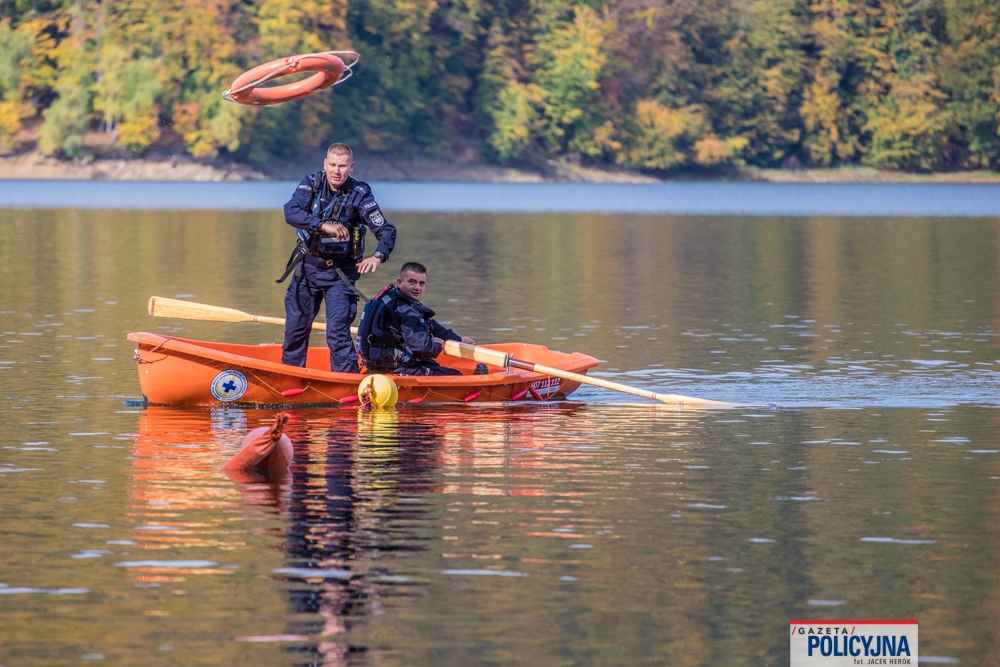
332 515
175 371
359 522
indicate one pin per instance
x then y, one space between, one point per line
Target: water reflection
588 532
356 506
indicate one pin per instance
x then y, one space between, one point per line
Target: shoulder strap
343 276
298 254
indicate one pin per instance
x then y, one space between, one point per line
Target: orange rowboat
176 371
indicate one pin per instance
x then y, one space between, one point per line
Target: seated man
398 334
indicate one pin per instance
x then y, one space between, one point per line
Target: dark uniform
400 339
317 279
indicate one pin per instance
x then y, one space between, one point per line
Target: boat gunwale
575 362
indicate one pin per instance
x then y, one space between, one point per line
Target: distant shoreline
34 166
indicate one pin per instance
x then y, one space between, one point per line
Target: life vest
379 343
342 208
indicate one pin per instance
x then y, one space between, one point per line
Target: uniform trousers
302 303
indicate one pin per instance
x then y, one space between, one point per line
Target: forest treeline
648 84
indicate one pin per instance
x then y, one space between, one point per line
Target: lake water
597 531
707 198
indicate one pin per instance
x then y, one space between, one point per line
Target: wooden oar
485 355
189 310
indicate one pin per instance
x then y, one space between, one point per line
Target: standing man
330 210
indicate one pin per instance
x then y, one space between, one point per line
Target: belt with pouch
329 262
343 276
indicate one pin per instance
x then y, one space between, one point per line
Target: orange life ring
329 69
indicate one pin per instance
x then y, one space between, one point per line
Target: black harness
342 208
378 341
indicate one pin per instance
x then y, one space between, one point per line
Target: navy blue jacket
413 328
361 208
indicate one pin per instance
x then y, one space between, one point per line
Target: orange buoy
245 89
266 447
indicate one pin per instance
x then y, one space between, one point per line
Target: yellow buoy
378 390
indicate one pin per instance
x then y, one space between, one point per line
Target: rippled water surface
863 481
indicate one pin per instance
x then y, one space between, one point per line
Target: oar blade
673 400
188 310
690 402
160 306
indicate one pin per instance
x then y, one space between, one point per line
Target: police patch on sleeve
375 218
229 386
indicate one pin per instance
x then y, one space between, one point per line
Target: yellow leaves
11 113
604 138
825 120
15 49
138 133
664 122
906 129
647 16
207 127
186 123
667 138
514 118
662 135
288 27
712 151
574 49
38 70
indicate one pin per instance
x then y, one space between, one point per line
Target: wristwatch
379 255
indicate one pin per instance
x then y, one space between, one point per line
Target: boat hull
177 371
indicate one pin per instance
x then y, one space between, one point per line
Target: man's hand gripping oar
188 310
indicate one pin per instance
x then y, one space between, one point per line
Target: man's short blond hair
340 149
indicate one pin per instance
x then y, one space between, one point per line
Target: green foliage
969 72
651 84
127 92
515 119
66 120
15 47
